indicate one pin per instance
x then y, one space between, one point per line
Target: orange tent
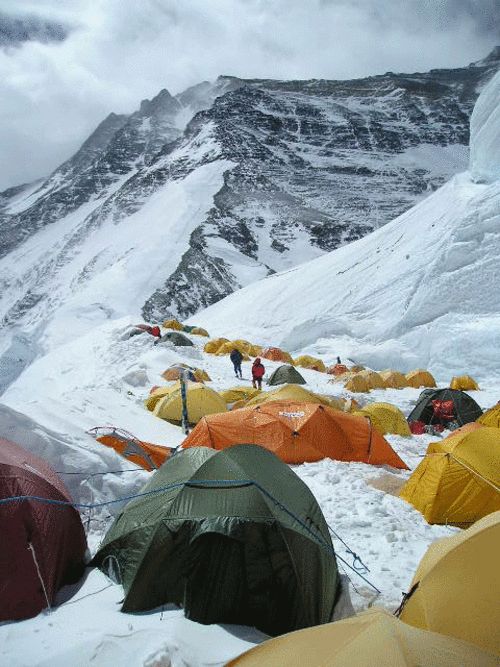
144 454
337 369
296 432
275 354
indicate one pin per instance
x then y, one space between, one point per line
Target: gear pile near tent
337 369
145 454
43 543
201 401
296 432
232 536
285 374
370 639
458 481
455 588
463 410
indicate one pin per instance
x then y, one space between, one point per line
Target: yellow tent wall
458 587
386 418
491 417
306 361
201 401
173 324
357 384
463 383
420 378
393 379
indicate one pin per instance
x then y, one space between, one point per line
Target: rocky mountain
175 206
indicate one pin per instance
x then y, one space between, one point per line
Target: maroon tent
42 544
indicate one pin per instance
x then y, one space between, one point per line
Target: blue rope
207 483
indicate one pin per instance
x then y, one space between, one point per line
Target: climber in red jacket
258 371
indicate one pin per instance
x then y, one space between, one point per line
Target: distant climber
258 371
338 360
236 357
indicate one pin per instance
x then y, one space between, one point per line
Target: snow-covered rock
420 291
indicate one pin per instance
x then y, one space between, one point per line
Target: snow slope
420 291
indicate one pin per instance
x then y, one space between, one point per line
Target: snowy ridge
415 292
302 168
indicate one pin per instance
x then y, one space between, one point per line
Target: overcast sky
66 64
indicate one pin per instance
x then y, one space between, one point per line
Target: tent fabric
455 588
276 354
466 409
237 538
173 324
200 331
234 394
393 379
296 432
145 454
357 384
386 418
289 392
337 369
373 638
213 345
177 338
464 383
373 379
458 481
285 374
420 378
55 533
306 361
201 401
176 372
491 417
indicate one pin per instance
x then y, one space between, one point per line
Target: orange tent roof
144 454
296 432
276 354
337 369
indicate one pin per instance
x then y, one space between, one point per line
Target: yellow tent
393 379
463 383
289 392
199 331
386 418
357 384
306 361
357 368
213 345
373 379
420 378
173 324
201 401
491 417
455 590
458 481
155 396
374 638
238 394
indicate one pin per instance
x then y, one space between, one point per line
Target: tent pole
185 422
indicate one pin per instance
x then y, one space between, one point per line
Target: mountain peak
161 103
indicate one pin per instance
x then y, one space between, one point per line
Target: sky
66 64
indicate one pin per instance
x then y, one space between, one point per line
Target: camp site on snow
244 421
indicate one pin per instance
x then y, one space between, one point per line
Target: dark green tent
176 338
286 374
236 537
188 328
465 408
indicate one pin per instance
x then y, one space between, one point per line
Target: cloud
118 52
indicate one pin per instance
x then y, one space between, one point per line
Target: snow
416 292
485 134
421 291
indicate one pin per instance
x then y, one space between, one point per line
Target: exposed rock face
307 166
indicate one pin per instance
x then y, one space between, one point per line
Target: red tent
43 544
